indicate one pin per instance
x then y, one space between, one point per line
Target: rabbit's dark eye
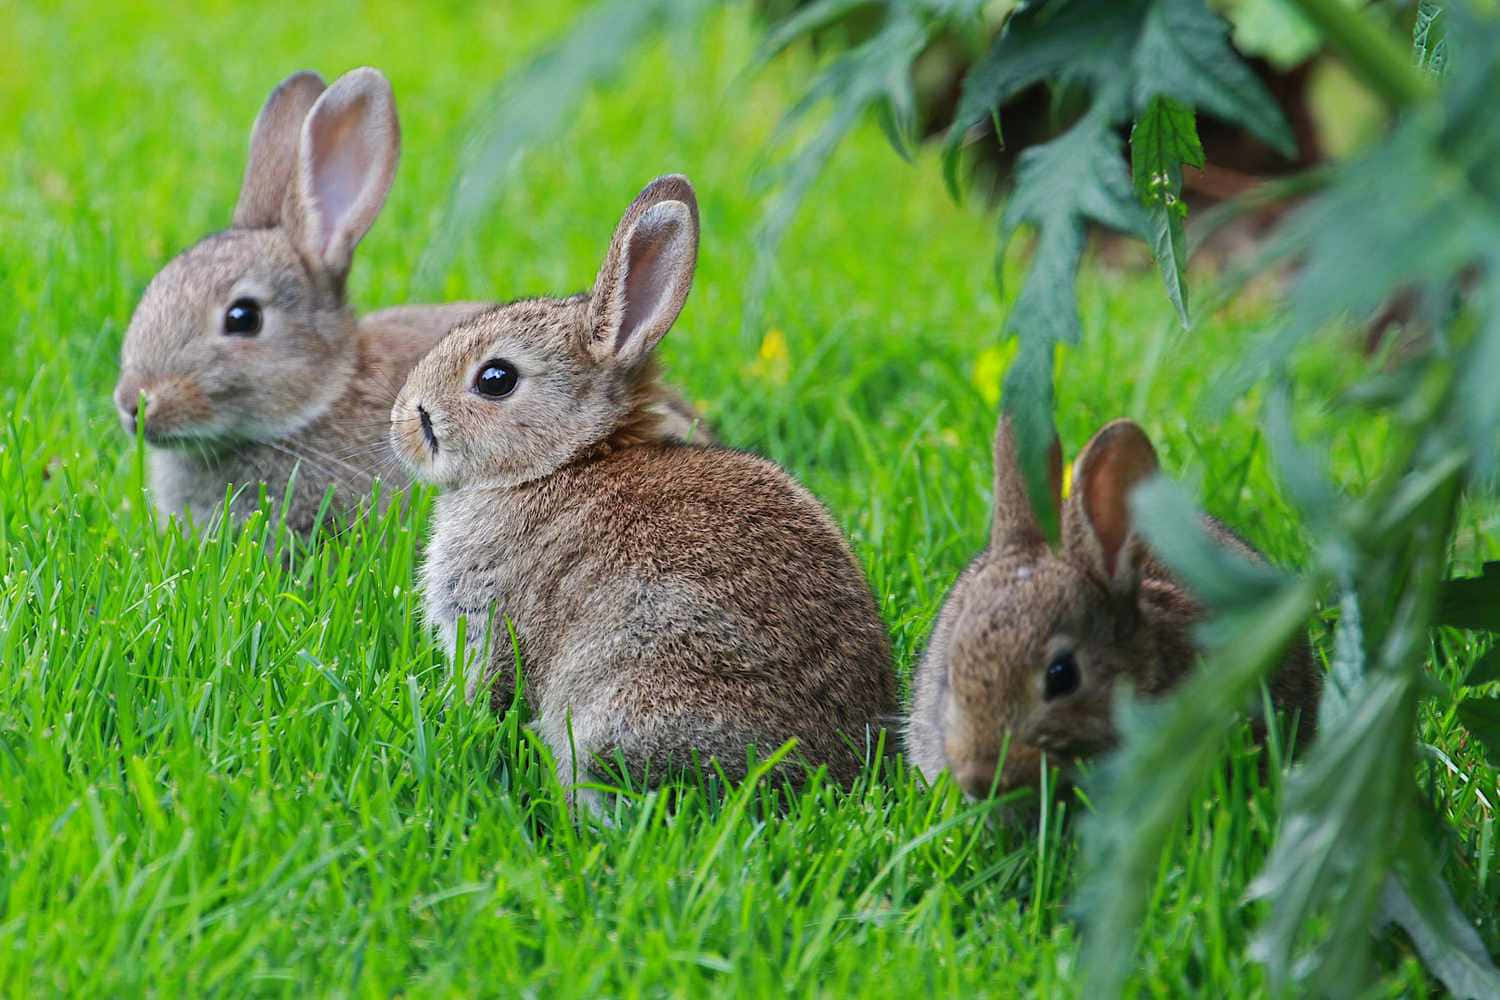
1062 676
242 318
497 379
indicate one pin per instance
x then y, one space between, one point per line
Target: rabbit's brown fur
310 391
980 691
669 599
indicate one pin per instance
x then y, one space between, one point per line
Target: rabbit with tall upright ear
671 601
1031 642
244 363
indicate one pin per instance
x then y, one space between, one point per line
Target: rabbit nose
976 777
128 397
427 432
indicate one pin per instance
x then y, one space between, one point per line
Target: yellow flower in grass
990 368
773 359
993 362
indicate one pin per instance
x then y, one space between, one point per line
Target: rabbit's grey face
1036 650
233 341
1041 636
514 394
246 336
508 397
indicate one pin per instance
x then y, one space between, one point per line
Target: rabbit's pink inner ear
350 143
1119 458
647 272
659 262
273 150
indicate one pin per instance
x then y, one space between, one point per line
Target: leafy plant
1417 213
1350 848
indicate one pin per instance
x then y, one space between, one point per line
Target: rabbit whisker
386 464
338 461
312 462
380 464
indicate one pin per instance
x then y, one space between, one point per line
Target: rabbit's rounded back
669 601
1031 642
246 336
577 372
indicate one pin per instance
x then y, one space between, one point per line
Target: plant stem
1370 52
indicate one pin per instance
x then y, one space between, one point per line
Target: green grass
222 771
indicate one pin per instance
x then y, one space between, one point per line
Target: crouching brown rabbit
671 601
1031 643
244 363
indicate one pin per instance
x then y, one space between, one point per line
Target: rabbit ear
1096 524
647 272
1015 523
273 150
346 160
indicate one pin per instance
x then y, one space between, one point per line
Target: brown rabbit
670 600
1030 642
252 365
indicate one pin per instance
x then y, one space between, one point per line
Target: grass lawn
222 771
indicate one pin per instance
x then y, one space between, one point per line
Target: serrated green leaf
803 22
1353 259
1060 185
1340 812
1428 52
1436 176
1047 306
1347 804
1087 40
1302 471
1166 747
897 113
877 70
1184 52
1176 531
860 76
1168 239
1417 899
1481 717
1165 138
1081 40
1346 665
1471 602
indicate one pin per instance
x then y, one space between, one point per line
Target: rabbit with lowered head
670 600
244 363
1030 643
